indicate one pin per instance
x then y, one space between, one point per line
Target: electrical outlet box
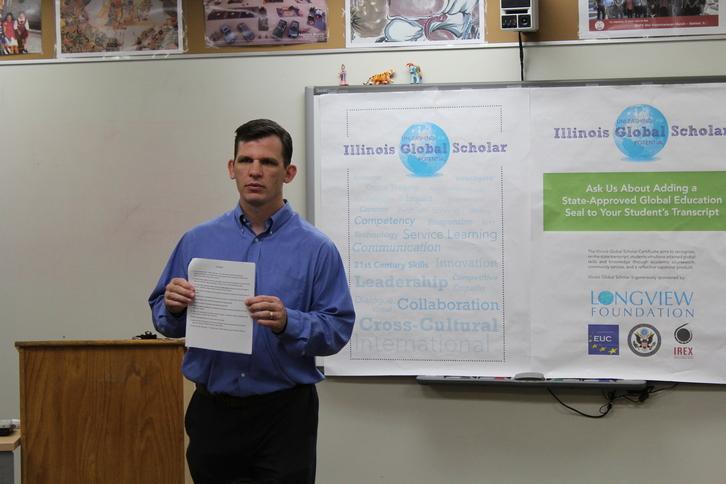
519 15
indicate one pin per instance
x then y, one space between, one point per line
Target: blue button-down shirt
295 262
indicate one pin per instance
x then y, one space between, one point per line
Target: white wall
104 165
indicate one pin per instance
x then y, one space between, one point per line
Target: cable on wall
521 58
637 397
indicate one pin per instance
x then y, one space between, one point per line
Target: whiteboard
571 229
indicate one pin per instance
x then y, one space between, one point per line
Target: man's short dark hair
262 128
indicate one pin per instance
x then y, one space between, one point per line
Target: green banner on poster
663 201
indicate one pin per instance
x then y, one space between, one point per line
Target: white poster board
629 252
463 217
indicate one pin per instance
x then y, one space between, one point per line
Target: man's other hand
178 295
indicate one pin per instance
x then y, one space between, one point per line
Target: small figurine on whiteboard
415 73
343 76
385 77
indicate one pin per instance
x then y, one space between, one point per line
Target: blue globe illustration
605 297
641 131
424 149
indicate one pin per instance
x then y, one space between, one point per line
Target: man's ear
230 169
290 172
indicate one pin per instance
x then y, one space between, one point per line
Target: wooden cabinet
102 412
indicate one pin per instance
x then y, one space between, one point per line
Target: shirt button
242 375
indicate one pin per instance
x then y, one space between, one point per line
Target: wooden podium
102 412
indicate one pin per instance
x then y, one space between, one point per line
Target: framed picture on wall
92 28
236 23
20 27
396 23
649 18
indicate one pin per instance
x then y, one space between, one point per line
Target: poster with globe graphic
629 231
577 231
414 190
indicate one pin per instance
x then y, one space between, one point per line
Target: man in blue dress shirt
255 416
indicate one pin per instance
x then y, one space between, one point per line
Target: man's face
260 172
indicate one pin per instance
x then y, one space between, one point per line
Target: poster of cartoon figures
118 27
237 23
20 27
649 18
392 23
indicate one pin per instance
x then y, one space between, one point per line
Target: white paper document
218 319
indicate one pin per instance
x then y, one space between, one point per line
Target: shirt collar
277 219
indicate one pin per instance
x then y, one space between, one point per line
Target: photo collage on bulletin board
242 23
21 27
389 23
118 27
649 18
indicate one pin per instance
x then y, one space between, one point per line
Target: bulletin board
558 22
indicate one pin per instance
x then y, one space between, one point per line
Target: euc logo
602 339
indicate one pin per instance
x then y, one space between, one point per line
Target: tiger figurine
384 77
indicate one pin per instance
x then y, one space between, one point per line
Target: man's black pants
267 439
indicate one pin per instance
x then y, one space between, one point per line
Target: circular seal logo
644 340
599 25
641 131
605 297
424 149
682 334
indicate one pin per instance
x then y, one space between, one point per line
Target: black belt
234 401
